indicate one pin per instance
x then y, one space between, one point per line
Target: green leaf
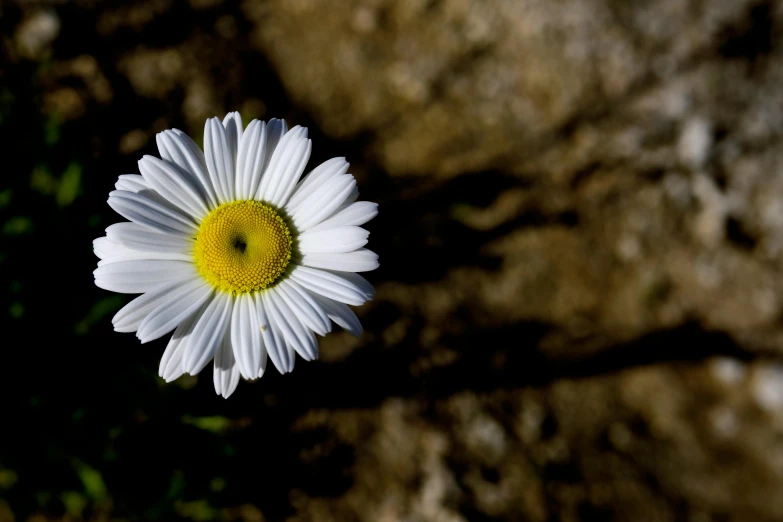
92 481
70 185
214 424
17 225
104 307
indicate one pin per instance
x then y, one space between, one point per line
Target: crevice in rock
738 235
753 38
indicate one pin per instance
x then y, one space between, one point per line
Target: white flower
236 254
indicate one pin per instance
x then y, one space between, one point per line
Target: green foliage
5 197
16 310
70 185
8 478
18 225
74 502
197 510
100 310
214 424
52 129
65 189
91 480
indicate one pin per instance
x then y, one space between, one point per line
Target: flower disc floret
242 246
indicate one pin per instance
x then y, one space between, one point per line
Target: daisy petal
361 260
328 285
112 252
354 214
144 211
131 183
135 255
250 159
286 166
180 305
105 248
315 180
321 204
139 276
174 184
333 240
137 237
281 356
359 281
220 160
152 194
292 171
246 337
349 200
225 373
132 314
208 333
171 363
304 307
194 148
262 368
341 314
301 339
275 130
233 125
170 367
176 147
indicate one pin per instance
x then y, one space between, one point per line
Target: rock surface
706 448
644 134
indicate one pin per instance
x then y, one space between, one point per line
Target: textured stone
456 85
573 450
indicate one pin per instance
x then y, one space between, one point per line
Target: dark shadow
754 38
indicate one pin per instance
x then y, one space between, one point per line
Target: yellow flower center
242 246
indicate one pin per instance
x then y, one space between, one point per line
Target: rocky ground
579 304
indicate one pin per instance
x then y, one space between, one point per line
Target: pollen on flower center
242 246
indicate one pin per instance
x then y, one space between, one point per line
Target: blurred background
579 303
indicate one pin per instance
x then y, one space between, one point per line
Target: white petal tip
124 329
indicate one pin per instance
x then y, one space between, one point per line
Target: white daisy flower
236 254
